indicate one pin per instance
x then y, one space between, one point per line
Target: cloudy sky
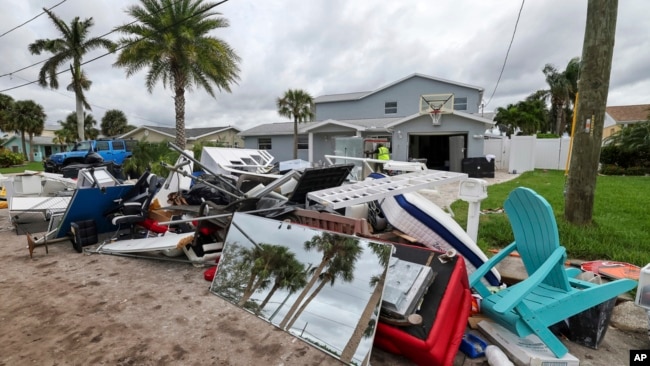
335 46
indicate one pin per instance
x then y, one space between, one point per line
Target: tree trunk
304 292
80 119
304 304
598 49
179 105
295 138
559 119
357 335
31 147
22 139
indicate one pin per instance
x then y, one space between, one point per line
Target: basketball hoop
435 114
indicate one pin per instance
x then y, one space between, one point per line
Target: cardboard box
160 215
528 351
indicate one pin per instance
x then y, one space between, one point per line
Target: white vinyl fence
523 153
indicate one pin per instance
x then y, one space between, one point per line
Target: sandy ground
66 308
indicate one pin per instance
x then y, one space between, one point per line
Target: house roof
629 113
276 128
366 124
37 140
471 116
361 95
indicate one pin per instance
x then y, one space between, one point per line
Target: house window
264 143
460 104
390 107
303 142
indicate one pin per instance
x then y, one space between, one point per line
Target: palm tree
299 105
69 132
332 246
172 38
266 259
634 138
366 320
71 47
289 275
6 106
115 123
28 118
342 266
563 86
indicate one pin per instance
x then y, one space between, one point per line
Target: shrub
611 169
9 158
547 136
637 170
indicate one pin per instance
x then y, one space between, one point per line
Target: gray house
396 115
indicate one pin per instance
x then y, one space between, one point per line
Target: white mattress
402 220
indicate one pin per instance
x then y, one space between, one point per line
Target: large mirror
323 287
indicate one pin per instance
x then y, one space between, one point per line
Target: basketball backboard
435 105
431 102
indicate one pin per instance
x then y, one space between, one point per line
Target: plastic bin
478 167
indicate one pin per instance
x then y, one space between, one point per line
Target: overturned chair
551 293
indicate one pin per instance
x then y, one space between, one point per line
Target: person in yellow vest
382 154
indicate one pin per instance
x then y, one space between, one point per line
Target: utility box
478 167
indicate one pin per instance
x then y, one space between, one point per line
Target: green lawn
621 217
32 165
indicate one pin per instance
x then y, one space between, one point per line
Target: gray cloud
337 46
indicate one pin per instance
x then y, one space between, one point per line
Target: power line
507 52
18 26
95 105
117 49
102 36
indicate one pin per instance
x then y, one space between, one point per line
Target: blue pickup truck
111 150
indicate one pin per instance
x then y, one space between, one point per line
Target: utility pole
596 65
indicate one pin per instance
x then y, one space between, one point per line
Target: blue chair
551 293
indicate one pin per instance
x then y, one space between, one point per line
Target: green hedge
9 158
612 169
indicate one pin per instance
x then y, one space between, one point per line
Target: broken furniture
136 209
444 310
551 293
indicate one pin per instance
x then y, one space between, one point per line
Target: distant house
351 123
227 136
625 115
43 144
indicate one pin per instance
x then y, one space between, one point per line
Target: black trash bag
201 191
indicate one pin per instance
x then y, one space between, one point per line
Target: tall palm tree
342 267
366 320
71 47
28 118
266 259
332 246
172 38
299 105
563 86
288 275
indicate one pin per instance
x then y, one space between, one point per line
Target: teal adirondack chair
551 293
